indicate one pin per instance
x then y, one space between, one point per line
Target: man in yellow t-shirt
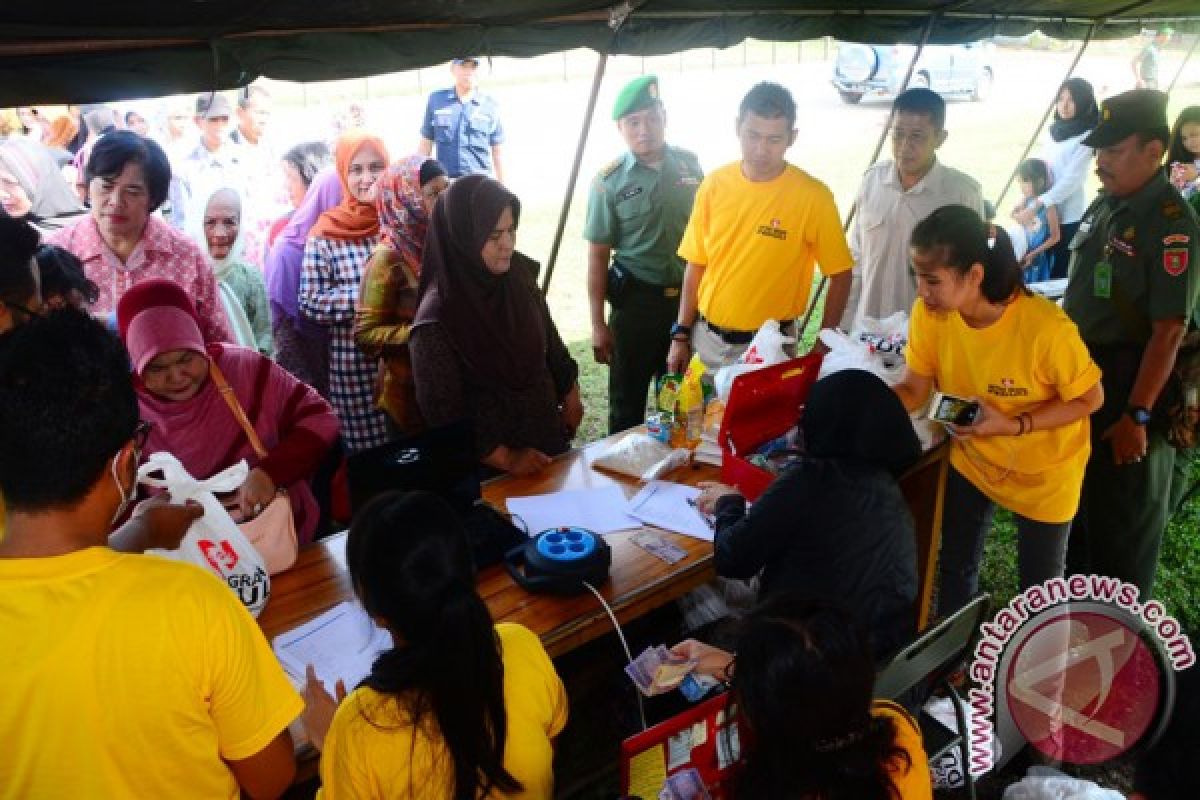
757 228
125 676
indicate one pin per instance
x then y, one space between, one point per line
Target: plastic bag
846 353
885 338
640 456
213 542
1047 783
766 348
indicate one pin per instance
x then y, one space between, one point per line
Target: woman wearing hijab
301 347
32 187
178 380
1075 114
216 225
404 198
335 258
836 523
483 345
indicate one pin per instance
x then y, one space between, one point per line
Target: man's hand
157 525
319 707
678 356
572 411
1128 440
602 343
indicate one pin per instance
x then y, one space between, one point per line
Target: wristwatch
1139 414
681 330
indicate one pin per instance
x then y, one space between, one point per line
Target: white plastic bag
764 350
846 353
885 338
214 541
641 456
1047 783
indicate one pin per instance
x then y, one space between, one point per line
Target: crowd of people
344 298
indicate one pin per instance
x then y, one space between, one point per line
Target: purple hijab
287 254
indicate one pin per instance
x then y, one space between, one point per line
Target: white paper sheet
669 505
600 510
341 644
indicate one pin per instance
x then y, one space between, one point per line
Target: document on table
600 510
671 506
341 644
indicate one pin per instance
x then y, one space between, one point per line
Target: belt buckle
671 292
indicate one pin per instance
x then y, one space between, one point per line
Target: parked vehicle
960 69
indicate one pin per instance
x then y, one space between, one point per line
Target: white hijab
222 267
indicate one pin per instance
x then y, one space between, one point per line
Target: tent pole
1186 59
1087 38
601 64
887 124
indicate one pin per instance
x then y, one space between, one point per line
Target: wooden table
638 582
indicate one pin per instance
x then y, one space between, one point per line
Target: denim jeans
966 521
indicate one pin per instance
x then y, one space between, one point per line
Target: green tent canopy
109 50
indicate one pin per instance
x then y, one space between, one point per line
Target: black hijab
853 414
1087 115
494 321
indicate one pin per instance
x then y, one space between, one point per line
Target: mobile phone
953 410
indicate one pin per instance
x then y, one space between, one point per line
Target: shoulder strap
236 407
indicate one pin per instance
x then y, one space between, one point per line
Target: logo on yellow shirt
1007 388
774 230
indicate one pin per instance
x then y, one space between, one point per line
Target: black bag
441 461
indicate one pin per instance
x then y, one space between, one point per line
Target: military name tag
1103 280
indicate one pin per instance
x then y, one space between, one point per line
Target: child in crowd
803 684
459 708
1183 155
1042 234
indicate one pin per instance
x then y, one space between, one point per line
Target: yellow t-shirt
370 751
1031 355
130 676
758 242
913 783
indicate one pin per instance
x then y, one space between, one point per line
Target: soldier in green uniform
638 207
1145 63
1131 290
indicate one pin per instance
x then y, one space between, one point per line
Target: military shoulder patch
610 168
1176 238
1175 261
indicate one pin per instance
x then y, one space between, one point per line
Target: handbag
273 531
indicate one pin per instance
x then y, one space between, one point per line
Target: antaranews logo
1079 668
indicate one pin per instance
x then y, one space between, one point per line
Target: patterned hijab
495 321
403 220
351 219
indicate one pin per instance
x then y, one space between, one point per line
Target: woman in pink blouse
121 243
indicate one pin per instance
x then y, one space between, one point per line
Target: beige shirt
887 214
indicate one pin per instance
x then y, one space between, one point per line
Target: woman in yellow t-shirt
459 708
803 690
976 332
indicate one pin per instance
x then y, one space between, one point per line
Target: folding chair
928 662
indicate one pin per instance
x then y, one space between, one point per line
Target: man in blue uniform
464 125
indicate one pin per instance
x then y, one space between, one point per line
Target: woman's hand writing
319 707
712 492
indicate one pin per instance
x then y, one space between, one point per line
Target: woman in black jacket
834 526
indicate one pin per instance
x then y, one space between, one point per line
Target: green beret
638 94
1135 111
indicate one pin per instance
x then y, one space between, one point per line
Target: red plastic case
762 405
